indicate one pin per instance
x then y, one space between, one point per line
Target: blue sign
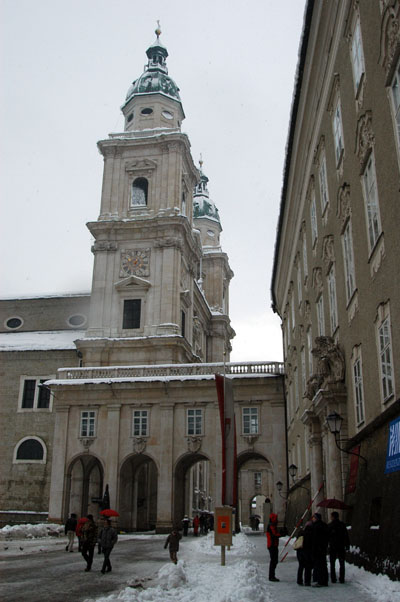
393 447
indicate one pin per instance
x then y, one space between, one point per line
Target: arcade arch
193 486
138 493
84 483
255 484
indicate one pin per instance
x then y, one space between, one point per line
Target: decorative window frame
140 168
394 100
321 164
335 110
358 386
13 317
304 252
371 203
37 379
390 39
348 261
144 413
332 294
23 461
313 216
383 317
198 416
319 307
251 411
88 437
353 34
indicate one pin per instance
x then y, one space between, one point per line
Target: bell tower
147 253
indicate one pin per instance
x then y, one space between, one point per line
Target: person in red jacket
273 536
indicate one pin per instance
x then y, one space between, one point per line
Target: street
60 577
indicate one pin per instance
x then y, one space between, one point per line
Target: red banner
228 437
354 460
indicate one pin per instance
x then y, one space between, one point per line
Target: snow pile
31 531
379 586
201 577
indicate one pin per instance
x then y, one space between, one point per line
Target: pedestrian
78 532
89 539
319 547
303 547
196 523
108 539
173 542
338 542
70 528
273 536
202 521
185 524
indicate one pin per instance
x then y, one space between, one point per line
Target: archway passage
84 484
138 494
255 485
193 487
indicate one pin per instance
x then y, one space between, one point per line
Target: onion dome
203 206
155 78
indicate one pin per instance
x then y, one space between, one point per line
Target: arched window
30 449
139 192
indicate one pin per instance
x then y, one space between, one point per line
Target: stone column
58 465
165 477
111 476
333 468
316 465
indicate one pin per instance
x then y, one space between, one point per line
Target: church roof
155 77
203 206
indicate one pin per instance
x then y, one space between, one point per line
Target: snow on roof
43 340
149 379
45 296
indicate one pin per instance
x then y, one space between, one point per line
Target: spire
203 206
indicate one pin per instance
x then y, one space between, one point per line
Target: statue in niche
330 366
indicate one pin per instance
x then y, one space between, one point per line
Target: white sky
65 71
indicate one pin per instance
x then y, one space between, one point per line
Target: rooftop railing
232 368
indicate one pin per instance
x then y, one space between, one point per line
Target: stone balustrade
231 368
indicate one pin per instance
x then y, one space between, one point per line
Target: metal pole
222 555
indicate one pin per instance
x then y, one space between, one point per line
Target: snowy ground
199 576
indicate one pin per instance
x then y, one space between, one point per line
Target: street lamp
334 422
293 472
279 487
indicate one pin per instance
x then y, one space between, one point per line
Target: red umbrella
333 503
109 512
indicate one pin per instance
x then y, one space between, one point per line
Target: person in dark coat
304 555
185 524
173 542
273 536
70 528
196 524
319 548
89 540
338 540
108 539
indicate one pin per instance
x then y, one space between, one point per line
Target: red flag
228 436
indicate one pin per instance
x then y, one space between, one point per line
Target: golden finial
201 161
158 30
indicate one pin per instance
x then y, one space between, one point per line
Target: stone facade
336 279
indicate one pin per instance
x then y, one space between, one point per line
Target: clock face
135 262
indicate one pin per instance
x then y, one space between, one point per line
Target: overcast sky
65 71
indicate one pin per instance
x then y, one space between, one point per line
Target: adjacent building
336 278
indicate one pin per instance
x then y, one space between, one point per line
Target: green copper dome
203 206
155 77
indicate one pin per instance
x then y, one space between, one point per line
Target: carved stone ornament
184 278
139 445
169 242
251 439
328 251
343 211
317 280
319 150
307 311
140 166
390 38
194 444
104 245
330 366
365 139
135 262
86 443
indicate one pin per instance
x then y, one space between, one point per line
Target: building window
332 299
395 102
305 263
338 132
132 311
183 203
358 388
257 480
194 422
13 323
357 56
320 316
183 323
299 284
309 345
140 188
88 423
33 394
140 427
313 215
250 421
30 450
292 311
323 184
385 355
371 202
303 369
296 388
347 241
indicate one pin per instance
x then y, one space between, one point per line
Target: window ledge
377 255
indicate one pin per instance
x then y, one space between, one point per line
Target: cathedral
117 387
